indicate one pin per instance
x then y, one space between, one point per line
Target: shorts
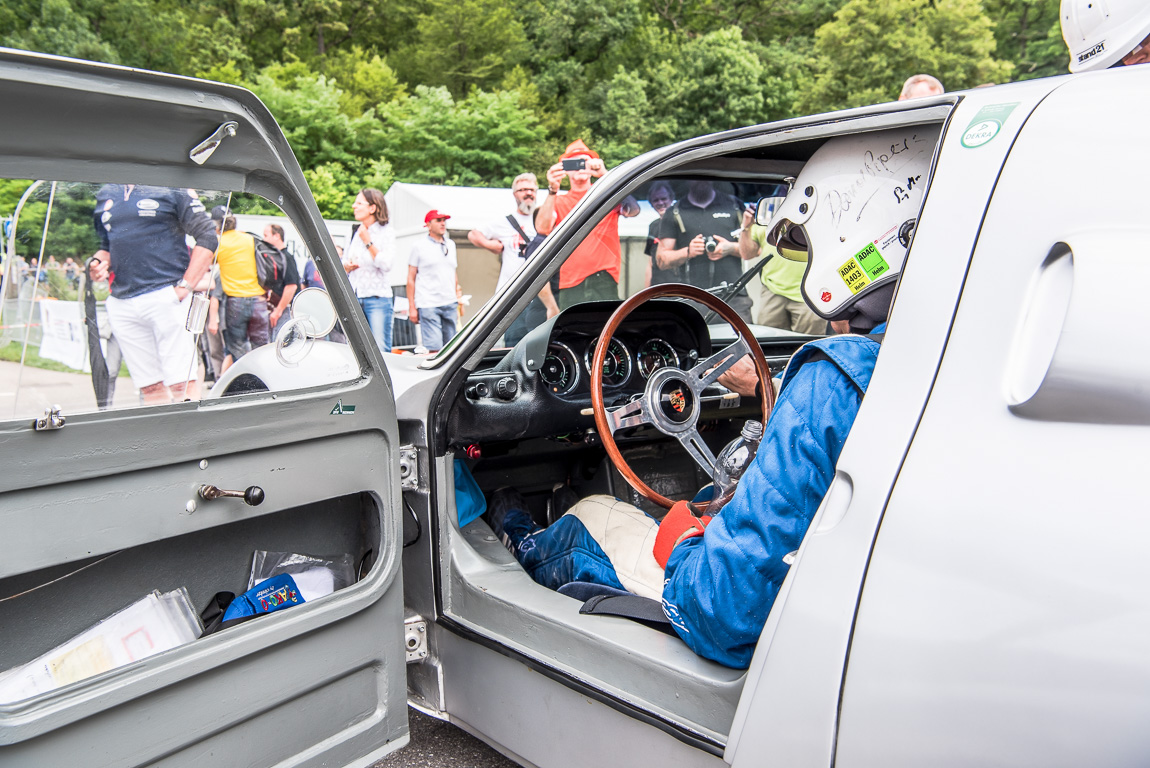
151 333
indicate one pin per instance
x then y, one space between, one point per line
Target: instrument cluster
628 361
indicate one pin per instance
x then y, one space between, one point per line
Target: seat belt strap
641 609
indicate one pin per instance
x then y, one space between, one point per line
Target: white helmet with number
851 212
1100 33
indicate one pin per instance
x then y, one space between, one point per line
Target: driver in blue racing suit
717 583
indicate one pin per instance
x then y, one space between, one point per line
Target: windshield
694 230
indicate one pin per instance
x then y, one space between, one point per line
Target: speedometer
616 365
560 369
655 354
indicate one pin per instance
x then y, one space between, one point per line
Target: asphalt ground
436 744
27 392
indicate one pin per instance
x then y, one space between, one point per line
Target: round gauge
617 364
655 354
560 369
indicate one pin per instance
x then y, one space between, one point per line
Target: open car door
113 540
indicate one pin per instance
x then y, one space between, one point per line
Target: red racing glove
680 524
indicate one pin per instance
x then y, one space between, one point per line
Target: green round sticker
980 133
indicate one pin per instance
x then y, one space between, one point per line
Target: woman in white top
368 259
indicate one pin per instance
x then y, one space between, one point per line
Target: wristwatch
182 283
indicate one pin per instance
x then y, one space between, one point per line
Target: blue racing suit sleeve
719 588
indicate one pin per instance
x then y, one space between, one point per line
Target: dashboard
542 387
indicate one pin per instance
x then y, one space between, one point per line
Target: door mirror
315 308
765 210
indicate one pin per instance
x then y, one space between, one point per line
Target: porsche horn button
676 401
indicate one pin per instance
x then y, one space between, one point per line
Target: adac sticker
342 410
986 124
864 267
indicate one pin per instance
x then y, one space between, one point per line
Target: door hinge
408 468
52 419
415 638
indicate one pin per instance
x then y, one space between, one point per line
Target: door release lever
253 496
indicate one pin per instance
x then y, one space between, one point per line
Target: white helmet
851 212
1100 33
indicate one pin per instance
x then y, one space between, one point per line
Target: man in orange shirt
591 273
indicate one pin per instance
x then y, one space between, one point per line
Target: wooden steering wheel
672 400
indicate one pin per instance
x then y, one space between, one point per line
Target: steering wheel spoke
698 449
708 371
633 414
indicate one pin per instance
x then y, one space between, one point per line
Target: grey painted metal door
105 513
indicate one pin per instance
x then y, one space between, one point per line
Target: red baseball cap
577 149
434 214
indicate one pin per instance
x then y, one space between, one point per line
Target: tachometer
617 364
560 369
655 354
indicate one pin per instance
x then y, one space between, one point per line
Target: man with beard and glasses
507 237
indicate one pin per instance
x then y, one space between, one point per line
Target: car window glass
148 238
648 241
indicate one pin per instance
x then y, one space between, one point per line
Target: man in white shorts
144 255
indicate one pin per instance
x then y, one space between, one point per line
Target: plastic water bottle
732 463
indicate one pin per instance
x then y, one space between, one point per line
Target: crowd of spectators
703 236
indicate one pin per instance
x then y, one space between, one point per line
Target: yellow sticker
853 275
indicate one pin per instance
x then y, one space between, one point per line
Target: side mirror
314 306
313 316
763 214
765 210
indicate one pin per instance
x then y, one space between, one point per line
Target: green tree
308 109
334 186
17 15
577 44
713 85
11 190
70 229
760 20
461 44
788 73
484 140
143 33
60 30
871 46
365 80
623 118
1028 33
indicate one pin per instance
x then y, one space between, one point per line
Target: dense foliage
474 91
